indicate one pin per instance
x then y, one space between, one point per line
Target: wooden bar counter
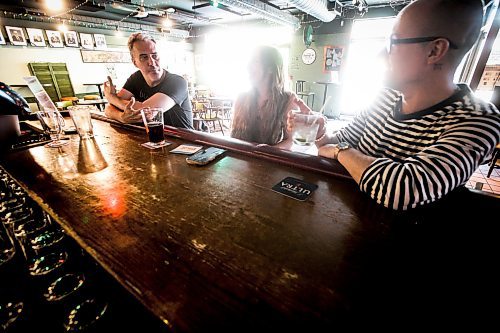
213 248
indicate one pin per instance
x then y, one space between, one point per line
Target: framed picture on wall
16 35
36 37
2 40
86 41
100 42
105 56
71 39
333 58
54 38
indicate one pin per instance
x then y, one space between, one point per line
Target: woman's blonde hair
266 125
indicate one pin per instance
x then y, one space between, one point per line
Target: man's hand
131 115
109 89
328 151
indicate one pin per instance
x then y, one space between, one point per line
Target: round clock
308 56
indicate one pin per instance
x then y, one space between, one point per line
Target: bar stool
63 105
71 99
299 90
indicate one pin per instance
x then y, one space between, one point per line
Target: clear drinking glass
47 238
85 315
80 114
9 312
52 123
64 286
39 244
306 128
7 248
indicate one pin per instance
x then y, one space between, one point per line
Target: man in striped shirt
426 137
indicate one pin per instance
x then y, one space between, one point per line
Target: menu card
186 149
41 95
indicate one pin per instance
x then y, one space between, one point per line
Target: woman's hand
322 121
290 120
301 105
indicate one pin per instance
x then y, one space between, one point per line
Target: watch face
343 145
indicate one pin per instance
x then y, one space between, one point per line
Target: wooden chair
63 105
212 117
493 163
197 108
222 108
207 114
71 99
91 97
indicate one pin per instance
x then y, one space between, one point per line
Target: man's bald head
458 20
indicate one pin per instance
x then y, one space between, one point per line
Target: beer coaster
295 188
186 149
152 145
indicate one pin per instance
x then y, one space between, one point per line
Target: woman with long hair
261 114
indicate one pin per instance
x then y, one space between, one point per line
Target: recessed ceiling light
54 5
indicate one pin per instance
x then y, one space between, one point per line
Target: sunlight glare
228 55
364 73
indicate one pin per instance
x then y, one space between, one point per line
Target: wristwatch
340 146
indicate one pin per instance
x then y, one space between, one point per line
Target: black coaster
295 188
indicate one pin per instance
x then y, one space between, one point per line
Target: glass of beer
153 120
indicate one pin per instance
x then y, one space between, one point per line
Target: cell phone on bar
204 156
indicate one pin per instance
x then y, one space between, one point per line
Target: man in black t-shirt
150 86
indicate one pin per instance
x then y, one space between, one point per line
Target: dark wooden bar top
213 248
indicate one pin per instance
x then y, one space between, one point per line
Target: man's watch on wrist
338 147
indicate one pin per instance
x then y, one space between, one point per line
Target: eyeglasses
392 41
145 57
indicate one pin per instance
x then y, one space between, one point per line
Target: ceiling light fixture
318 8
54 5
167 23
264 10
62 27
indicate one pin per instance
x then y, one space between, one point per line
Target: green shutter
54 77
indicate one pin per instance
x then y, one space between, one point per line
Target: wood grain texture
214 248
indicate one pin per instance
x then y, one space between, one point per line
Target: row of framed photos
36 38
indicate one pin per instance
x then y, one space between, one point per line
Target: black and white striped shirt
424 155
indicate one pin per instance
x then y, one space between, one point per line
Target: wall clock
308 56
